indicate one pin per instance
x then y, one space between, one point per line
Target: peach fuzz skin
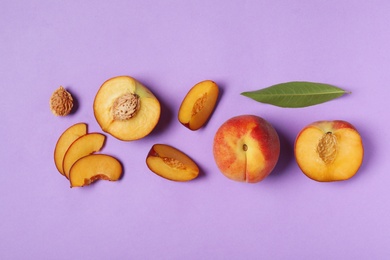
246 148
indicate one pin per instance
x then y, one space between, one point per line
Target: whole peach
246 148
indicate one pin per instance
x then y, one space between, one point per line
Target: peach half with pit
328 151
66 139
83 146
246 148
198 105
93 167
126 109
171 163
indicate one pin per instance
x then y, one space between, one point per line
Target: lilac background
169 46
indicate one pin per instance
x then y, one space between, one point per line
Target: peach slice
126 109
94 167
198 104
329 150
65 140
170 163
81 147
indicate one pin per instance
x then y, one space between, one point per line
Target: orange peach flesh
339 161
246 148
94 167
65 140
170 163
198 104
85 145
145 117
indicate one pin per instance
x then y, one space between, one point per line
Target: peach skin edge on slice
65 140
83 146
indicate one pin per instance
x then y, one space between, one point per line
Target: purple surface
169 46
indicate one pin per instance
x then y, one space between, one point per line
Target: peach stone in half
126 109
329 150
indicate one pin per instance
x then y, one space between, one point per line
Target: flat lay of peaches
245 147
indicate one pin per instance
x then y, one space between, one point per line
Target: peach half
65 140
126 109
91 168
171 163
83 146
246 148
198 105
329 150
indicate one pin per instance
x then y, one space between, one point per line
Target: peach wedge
65 140
94 167
170 163
84 145
126 109
329 150
198 105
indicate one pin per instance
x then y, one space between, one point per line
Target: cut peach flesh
84 145
93 167
170 163
198 104
347 161
65 140
144 120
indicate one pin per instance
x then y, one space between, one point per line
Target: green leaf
296 94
